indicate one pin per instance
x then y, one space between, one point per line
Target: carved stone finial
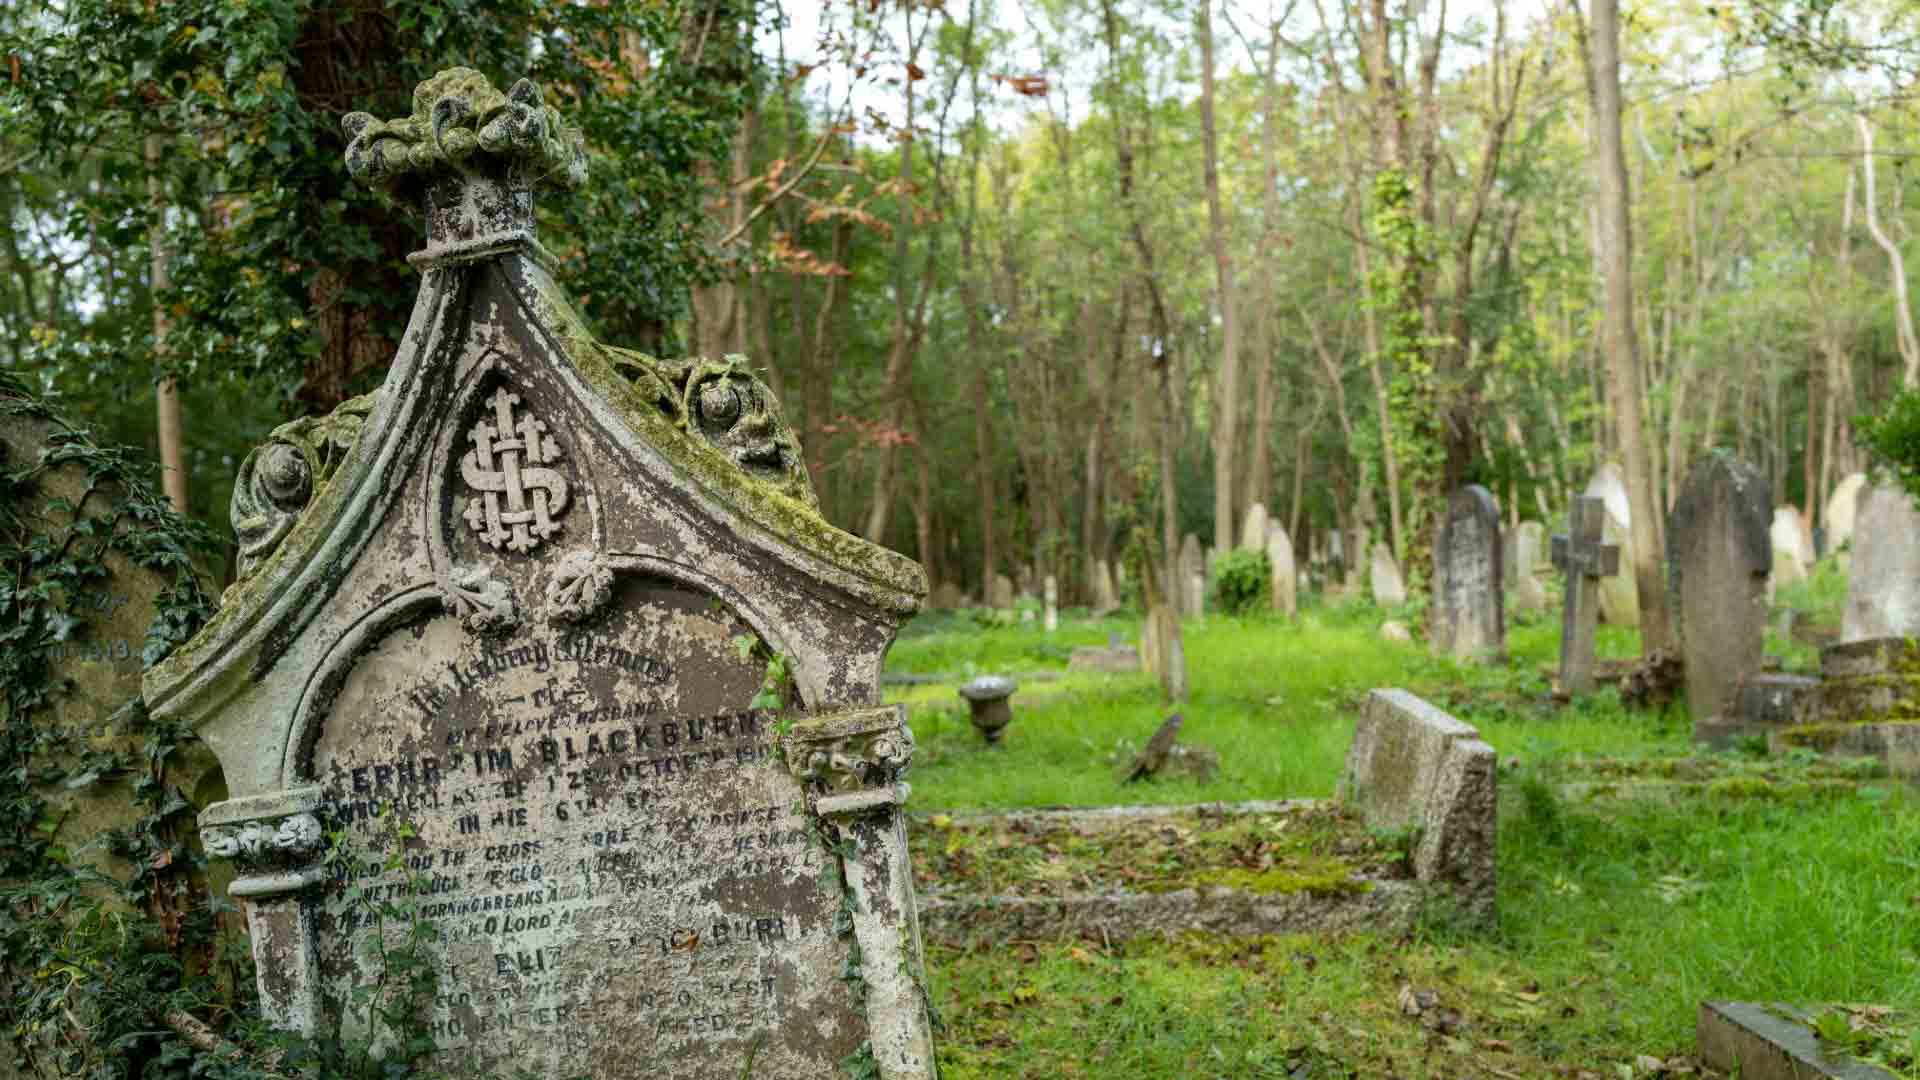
475 155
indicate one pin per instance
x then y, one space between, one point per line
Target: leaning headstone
1154 754
1883 578
1719 558
1414 767
1253 534
1583 555
568 618
1470 616
1843 510
1280 567
1192 586
1791 553
1051 591
1619 594
1383 575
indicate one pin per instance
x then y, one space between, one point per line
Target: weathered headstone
1585 558
1106 598
1719 558
1050 590
1192 586
1281 568
1383 575
1883 579
1470 617
1414 767
1253 533
946 596
1843 510
1791 553
1167 650
1509 558
1530 547
93 671
572 615
1001 594
1619 595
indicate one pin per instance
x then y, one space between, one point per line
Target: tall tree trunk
1618 344
173 464
1902 309
1226 396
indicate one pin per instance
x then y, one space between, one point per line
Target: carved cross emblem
518 502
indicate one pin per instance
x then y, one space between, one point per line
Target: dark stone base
1770 1042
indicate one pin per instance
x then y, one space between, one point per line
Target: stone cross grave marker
1720 556
572 615
1579 554
1471 617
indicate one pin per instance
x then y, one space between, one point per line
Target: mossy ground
1321 850
1616 919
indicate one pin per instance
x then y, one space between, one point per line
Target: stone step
1770 1042
1895 742
1870 656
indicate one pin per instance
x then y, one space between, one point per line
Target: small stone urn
987 695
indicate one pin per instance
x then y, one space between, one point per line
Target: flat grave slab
1774 1042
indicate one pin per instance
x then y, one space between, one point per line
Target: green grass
1616 918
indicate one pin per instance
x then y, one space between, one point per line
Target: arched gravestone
1470 620
1719 556
523 598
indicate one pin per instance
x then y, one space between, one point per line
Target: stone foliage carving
581 586
852 752
280 478
457 114
258 845
483 601
726 406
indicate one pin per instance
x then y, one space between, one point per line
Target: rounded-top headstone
1721 556
1253 534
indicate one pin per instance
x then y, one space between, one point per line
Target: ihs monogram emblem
519 502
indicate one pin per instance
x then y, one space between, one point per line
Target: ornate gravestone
1719 558
538 606
1471 617
1580 554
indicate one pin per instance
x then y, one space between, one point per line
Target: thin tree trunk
1902 310
1618 342
1226 396
173 466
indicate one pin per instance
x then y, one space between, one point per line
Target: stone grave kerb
620 537
1579 554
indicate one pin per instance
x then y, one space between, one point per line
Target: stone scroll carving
280 478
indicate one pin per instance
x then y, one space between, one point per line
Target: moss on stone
1328 877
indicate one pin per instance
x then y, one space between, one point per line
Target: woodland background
1032 280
